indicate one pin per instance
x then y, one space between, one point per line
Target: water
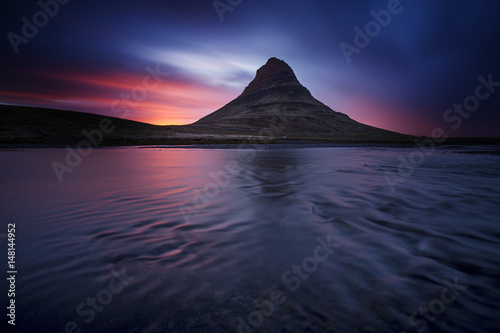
230 241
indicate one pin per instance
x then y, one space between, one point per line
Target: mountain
276 100
30 126
275 107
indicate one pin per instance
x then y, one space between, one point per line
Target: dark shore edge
465 146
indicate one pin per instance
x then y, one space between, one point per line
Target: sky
406 66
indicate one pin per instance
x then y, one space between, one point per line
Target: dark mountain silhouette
276 100
274 108
25 125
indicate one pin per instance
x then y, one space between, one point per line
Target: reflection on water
297 240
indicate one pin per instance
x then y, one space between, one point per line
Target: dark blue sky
90 55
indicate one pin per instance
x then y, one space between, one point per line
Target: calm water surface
291 240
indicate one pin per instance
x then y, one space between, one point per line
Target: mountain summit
276 100
274 73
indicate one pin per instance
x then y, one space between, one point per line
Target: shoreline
463 148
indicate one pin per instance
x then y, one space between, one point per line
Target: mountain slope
276 100
29 125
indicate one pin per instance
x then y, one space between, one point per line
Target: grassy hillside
38 127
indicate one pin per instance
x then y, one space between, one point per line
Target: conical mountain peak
276 100
274 73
